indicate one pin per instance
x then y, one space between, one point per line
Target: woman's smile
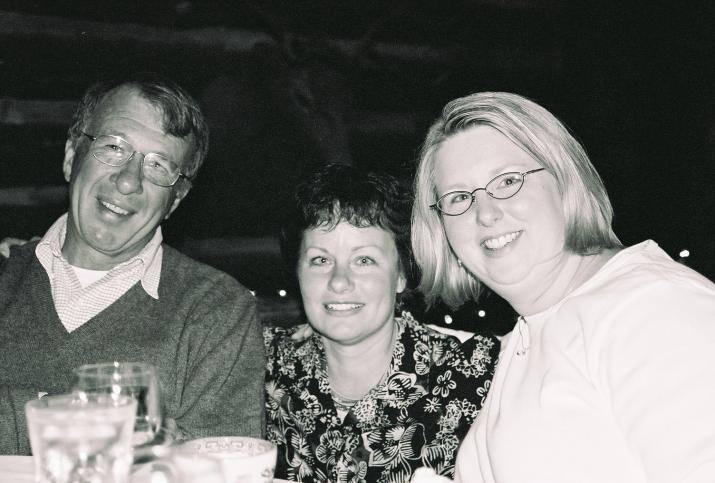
501 241
344 308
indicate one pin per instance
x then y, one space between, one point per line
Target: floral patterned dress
417 417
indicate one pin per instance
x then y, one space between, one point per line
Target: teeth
338 307
497 243
115 208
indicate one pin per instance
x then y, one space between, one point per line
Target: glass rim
226 447
64 402
136 368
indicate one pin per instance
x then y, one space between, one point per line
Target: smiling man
102 286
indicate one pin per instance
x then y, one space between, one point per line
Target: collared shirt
76 305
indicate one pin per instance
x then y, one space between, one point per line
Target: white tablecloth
19 469
16 469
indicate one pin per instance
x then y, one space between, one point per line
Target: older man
102 286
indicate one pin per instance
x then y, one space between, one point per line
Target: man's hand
302 332
9 242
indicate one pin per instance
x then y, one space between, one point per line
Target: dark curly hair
334 193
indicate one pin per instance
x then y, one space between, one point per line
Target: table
16 469
19 469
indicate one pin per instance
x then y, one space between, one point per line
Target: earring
402 303
399 306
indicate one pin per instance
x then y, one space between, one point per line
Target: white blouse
616 383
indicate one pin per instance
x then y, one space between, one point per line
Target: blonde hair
540 134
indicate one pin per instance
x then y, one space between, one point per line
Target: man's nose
129 178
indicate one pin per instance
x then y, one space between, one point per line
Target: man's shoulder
210 298
180 270
25 250
20 256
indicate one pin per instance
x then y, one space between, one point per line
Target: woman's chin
505 279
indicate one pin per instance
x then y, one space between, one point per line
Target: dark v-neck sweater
202 335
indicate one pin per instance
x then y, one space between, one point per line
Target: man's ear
181 189
69 158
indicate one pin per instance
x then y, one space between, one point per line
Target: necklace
342 405
345 403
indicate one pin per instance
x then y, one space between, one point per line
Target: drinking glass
81 439
135 379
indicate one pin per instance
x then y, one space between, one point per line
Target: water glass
81 440
135 379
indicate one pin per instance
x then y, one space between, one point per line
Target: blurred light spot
253 292
684 254
282 293
482 313
447 319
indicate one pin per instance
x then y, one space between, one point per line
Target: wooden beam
69 29
33 196
20 112
237 41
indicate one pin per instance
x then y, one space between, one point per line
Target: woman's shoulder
271 334
278 339
426 334
646 265
288 357
642 300
642 284
455 344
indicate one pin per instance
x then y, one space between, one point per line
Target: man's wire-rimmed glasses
115 151
500 187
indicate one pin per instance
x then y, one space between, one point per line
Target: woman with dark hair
370 396
609 372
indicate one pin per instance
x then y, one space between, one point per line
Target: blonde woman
609 372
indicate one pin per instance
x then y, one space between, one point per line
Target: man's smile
114 208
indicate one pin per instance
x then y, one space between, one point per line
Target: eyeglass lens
115 151
502 187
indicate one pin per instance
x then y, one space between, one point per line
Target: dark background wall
289 83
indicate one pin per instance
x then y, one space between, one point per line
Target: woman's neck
556 282
355 369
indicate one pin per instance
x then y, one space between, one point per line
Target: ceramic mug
240 459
